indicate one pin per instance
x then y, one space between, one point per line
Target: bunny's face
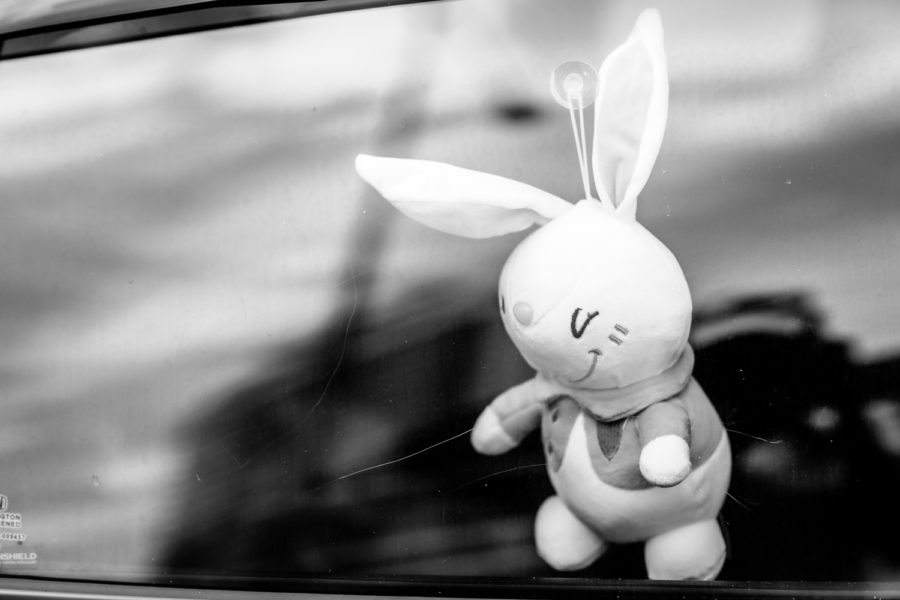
594 300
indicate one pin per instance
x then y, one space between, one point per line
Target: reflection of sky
176 211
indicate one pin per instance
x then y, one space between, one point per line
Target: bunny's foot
563 540
695 551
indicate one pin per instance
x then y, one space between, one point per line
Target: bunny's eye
578 330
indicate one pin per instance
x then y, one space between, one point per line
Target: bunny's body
602 496
594 469
600 308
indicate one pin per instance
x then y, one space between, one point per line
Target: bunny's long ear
630 114
456 200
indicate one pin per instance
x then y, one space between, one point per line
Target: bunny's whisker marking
621 329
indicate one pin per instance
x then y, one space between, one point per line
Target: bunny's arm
508 419
664 433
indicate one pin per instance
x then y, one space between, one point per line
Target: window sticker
13 537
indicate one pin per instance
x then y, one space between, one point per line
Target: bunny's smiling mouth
596 352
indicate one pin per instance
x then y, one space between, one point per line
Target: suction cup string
573 85
585 173
580 146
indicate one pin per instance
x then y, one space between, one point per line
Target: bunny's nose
523 313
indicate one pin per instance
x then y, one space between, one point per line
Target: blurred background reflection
209 320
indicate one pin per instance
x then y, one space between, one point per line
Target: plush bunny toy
600 308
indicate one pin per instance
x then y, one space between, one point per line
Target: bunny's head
594 300
591 299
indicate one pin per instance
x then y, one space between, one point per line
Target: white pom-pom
666 460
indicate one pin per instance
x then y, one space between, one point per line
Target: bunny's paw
489 436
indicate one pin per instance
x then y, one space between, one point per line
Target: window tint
226 354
